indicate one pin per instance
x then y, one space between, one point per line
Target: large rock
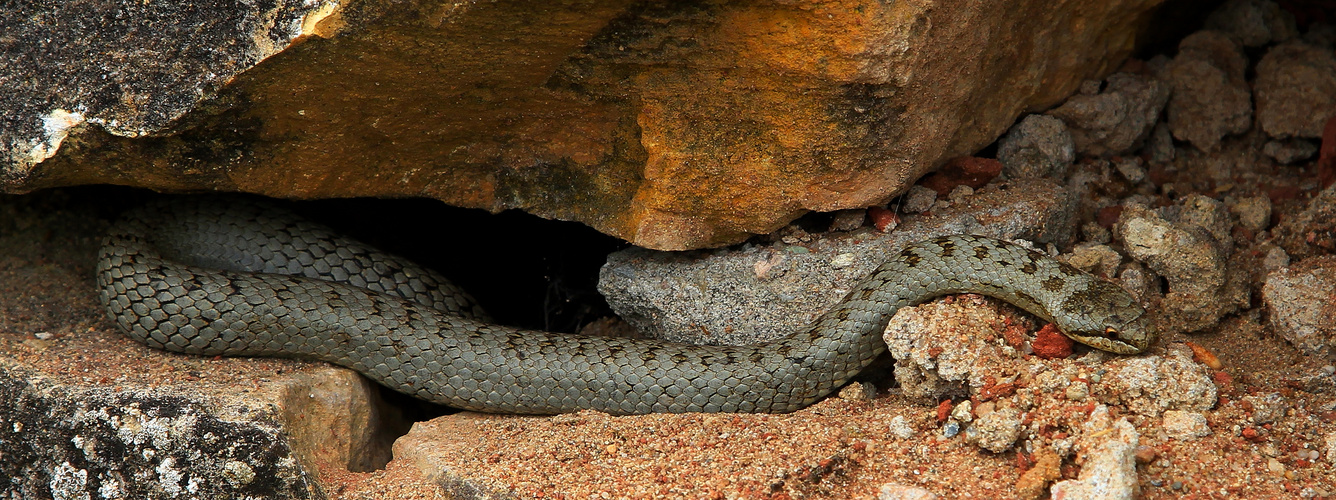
672 125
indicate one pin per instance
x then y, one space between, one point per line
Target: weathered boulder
672 125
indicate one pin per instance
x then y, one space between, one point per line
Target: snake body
243 278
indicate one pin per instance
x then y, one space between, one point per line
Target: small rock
882 219
895 491
1050 343
858 391
1254 212
1038 146
964 171
963 412
1109 469
950 429
1312 231
1254 23
1077 391
1289 151
1185 425
1275 258
1095 233
960 194
1267 408
900 427
1330 441
919 199
1131 169
1117 120
1211 97
848 220
1160 146
1189 251
1101 260
1152 385
1302 301
997 431
1034 482
842 261
1296 90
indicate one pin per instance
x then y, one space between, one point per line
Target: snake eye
1110 332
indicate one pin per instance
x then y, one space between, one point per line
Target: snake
241 277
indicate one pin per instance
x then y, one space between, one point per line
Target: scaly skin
239 278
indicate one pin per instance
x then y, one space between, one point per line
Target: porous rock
1152 385
1290 151
1254 23
1038 146
1301 299
1313 231
1116 120
671 125
65 436
1211 98
996 431
756 293
1189 246
894 491
1295 89
1108 470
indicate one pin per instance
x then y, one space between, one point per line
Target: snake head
1109 319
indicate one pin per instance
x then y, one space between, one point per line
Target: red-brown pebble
967 171
883 219
1050 343
1204 356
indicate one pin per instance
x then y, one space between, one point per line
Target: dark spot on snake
910 258
797 360
865 294
756 357
948 248
1068 270
981 252
679 358
1029 267
1002 262
647 355
616 349
1053 284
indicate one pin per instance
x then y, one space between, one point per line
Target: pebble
963 412
858 391
1211 97
950 429
900 427
996 431
848 220
1289 151
894 491
1289 294
1116 120
919 199
1295 89
1185 425
1109 468
1037 146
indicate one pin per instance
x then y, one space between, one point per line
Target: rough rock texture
672 125
1038 146
756 293
1116 120
952 350
1296 90
129 68
1302 301
1253 23
1185 425
1313 231
1210 95
1188 245
1109 470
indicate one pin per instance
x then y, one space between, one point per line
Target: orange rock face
673 125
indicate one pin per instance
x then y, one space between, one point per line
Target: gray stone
1210 95
1302 301
919 199
1296 90
1038 146
1267 408
1253 212
1253 23
996 431
754 293
848 220
1117 120
1290 151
